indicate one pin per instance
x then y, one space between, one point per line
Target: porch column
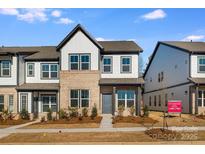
138 100
196 99
114 107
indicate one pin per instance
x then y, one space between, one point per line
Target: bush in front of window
145 111
94 112
6 115
24 114
85 112
73 112
121 109
62 114
49 114
132 110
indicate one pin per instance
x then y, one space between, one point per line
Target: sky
31 27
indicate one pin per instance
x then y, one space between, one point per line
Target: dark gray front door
107 103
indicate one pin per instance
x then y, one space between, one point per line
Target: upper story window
30 69
125 64
49 71
5 68
79 61
201 64
107 64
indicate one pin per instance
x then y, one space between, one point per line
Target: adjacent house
176 71
79 72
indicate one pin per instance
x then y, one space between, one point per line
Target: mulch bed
132 119
74 120
163 134
200 116
14 122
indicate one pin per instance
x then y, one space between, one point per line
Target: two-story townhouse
101 73
79 72
176 72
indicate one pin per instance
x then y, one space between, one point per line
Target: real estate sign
174 106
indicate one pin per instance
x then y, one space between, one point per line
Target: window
85 62
49 71
79 61
162 76
49 102
159 78
201 98
11 103
1 103
79 98
126 98
5 68
126 64
166 100
150 101
201 64
107 64
155 100
30 69
24 102
159 103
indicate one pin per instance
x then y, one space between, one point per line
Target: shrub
73 111
80 117
94 112
43 119
62 114
85 112
132 110
6 115
121 109
49 114
24 114
146 111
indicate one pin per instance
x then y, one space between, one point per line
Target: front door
107 103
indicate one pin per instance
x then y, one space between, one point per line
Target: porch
38 98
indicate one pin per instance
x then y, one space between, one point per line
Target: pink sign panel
174 107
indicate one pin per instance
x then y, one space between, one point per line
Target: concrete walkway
106 121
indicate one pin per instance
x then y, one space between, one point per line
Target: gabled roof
120 46
72 33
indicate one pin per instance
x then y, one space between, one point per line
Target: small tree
85 112
146 111
94 112
49 114
73 111
132 110
121 109
24 114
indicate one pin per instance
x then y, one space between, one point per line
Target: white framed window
126 64
150 101
30 69
79 61
107 64
11 103
1 103
5 68
126 98
24 101
201 64
159 100
201 98
79 98
155 100
49 102
166 99
49 71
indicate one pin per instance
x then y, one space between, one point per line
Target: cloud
156 14
27 15
9 11
103 39
194 38
56 13
64 21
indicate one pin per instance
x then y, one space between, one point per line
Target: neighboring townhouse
79 72
176 71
